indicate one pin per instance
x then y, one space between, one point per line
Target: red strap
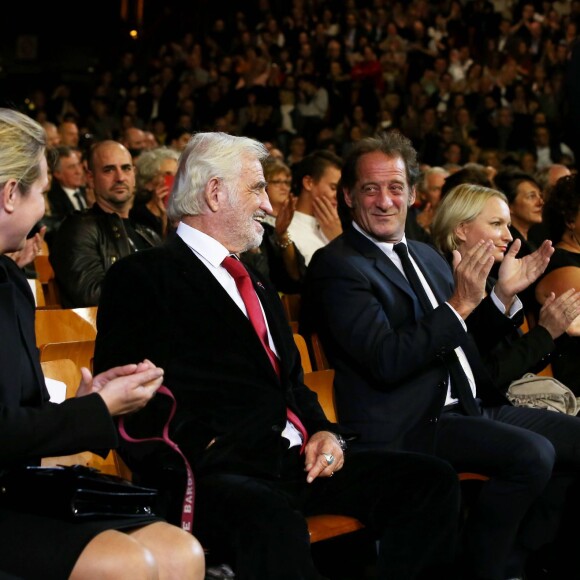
188 500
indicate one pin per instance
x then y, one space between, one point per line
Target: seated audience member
392 317
546 179
135 140
35 546
563 272
52 134
467 214
263 453
178 138
277 258
154 173
67 191
69 133
419 217
473 173
316 219
526 205
549 150
88 243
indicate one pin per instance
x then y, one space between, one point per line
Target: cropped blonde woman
35 546
470 213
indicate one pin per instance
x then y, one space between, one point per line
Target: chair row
67 334
321 527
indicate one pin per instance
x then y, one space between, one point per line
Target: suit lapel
436 282
225 311
385 266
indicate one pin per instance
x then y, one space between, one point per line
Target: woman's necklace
574 247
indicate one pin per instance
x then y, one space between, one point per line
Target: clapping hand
471 272
124 389
285 215
516 274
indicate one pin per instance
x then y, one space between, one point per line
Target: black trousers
409 501
531 456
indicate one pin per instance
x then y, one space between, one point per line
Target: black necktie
412 276
80 201
460 387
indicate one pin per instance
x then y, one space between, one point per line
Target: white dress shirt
71 195
306 234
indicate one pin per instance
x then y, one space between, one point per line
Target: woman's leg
178 554
114 555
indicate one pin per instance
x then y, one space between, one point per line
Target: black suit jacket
164 304
392 362
60 203
30 426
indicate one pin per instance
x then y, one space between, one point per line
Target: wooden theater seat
66 371
64 325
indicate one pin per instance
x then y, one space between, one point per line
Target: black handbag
74 493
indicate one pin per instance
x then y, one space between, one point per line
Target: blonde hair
22 146
462 204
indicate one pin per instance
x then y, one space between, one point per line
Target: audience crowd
468 110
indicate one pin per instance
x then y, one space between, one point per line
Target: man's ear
212 192
8 196
412 196
347 198
307 182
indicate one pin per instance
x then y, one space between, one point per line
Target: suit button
277 428
433 419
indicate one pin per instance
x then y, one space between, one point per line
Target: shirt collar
206 247
386 247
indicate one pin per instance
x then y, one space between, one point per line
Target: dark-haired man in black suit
409 375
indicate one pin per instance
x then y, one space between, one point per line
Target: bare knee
114 555
178 554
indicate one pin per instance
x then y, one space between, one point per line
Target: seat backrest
45 275
63 325
304 354
81 352
557 281
66 371
291 303
88 313
322 383
318 353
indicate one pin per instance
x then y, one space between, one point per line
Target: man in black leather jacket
88 243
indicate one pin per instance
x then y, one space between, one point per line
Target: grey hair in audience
23 145
148 164
422 183
462 204
206 156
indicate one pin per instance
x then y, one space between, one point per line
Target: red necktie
246 289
